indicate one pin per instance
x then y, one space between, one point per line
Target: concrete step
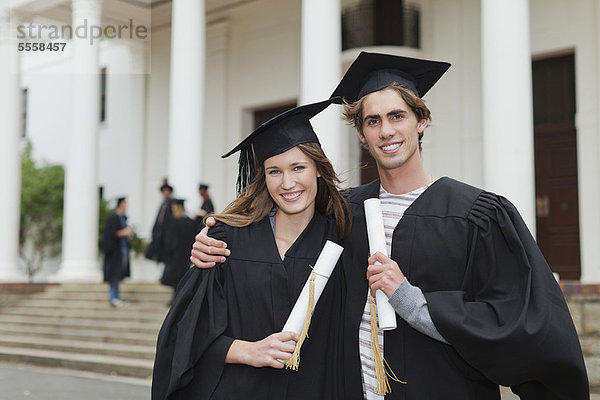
141 339
78 346
87 362
73 326
103 296
91 305
102 291
112 314
139 288
81 323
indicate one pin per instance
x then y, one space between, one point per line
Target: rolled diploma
386 315
324 266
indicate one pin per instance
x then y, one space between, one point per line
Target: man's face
166 193
390 129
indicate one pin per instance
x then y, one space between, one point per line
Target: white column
587 64
507 104
188 47
321 71
80 223
10 165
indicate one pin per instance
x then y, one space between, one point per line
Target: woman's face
291 179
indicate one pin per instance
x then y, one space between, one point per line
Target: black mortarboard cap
165 185
203 186
179 201
276 136
371 72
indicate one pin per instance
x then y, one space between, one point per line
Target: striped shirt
393 207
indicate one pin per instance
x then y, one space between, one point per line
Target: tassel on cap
245 169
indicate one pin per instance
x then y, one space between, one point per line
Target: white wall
120 137
560 26
49 87
262 69
157 124
452 145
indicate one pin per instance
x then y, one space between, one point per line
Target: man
156 248
207 205
115 245
478 306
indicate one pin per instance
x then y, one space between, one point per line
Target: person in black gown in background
222 337
156 247
178 242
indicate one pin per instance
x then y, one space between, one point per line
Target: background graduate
179 238
477 305
221 338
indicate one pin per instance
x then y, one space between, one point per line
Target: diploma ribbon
380 364
316 273
294 360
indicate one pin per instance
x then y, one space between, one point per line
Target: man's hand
269 352
125 232
206 251
386 276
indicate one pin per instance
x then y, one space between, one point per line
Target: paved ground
20 382
34 383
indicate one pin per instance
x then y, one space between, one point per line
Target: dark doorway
263 115
557 210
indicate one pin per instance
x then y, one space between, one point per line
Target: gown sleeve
110 241
191 347
510 320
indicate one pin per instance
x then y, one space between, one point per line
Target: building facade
517 113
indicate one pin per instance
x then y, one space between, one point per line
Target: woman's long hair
254 203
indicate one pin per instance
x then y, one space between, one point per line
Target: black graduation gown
111 246
156 248
178 244
490 294
207 206
250 297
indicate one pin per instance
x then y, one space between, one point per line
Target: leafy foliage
104 210
40 233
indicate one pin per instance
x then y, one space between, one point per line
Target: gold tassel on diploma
294 360
379 363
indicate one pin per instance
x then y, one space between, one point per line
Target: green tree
40 233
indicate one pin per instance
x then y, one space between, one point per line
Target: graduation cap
179 202
165 185
276 136
371 72
203 186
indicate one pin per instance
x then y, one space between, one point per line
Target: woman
221 338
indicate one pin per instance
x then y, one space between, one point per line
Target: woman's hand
272 351
207 251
